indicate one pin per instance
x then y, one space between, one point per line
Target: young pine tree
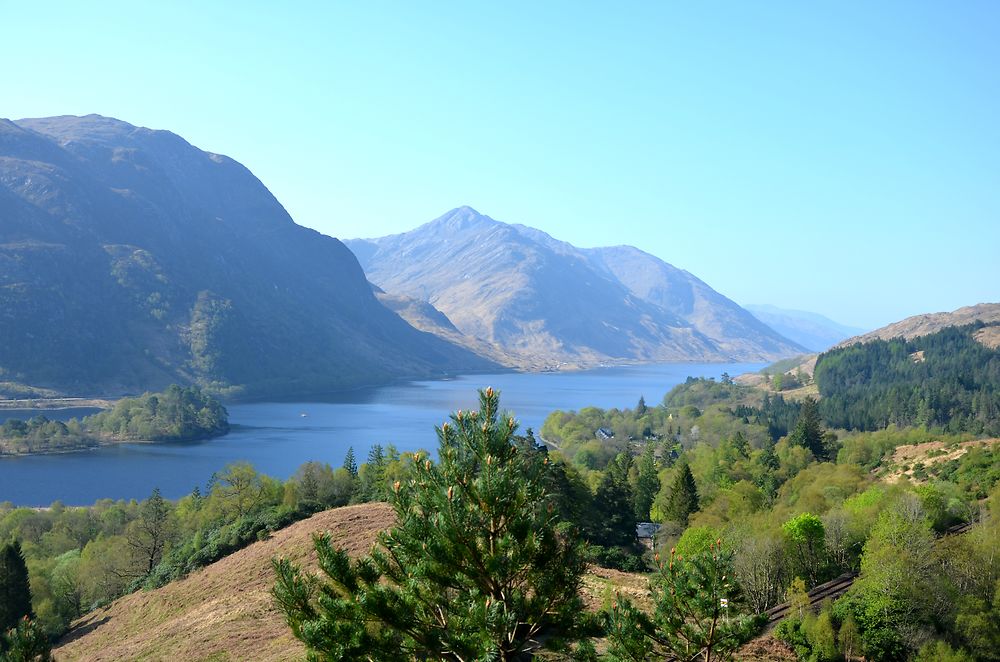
15 591
696 613
477 567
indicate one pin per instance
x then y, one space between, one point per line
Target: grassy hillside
224 611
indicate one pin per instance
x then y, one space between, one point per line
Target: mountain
545 302
130 259
922 325
811 330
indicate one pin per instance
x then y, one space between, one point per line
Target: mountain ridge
542 299
813 331
130 259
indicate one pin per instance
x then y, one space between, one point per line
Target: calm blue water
276 438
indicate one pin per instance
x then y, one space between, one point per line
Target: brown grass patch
929 453
223 611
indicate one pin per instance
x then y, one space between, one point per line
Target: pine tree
15 591
683 498
696 613
640 409
350 463
477 567
647 485
808 431
613 522
26 642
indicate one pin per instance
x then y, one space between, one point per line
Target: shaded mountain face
546 302
130 259
811 330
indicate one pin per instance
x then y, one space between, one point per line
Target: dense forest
945 379
176 414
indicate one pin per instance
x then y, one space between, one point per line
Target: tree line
176 414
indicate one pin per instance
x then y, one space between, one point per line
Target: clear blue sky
837 157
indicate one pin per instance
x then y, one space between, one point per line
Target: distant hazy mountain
922 325
546 302
130 259
811 330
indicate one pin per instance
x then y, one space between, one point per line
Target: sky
842 158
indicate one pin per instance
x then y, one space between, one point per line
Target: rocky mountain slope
921 325
130 259
813 331
546 302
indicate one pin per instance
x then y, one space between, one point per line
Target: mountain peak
462 218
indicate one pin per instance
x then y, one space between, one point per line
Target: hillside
224 611
130 259
922 325
909 328
546 302
813 331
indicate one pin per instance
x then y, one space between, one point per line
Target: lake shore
43 404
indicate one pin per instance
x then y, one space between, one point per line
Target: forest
946 379
176 414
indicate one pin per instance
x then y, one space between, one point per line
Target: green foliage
701 393
940 651
24 642
647 483
945 379
898 583
477 566
15 590
806 537
683 499
697 613
696 540
808 431
177 414
613 517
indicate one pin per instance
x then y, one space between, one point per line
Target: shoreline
102 443
107 402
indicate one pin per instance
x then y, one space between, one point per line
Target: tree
477 566
148 535
647 484
807 536
26 642
758 562
808 431
15 591
350 463
640 409
613 522
240 488
372 475
696 613
683 499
